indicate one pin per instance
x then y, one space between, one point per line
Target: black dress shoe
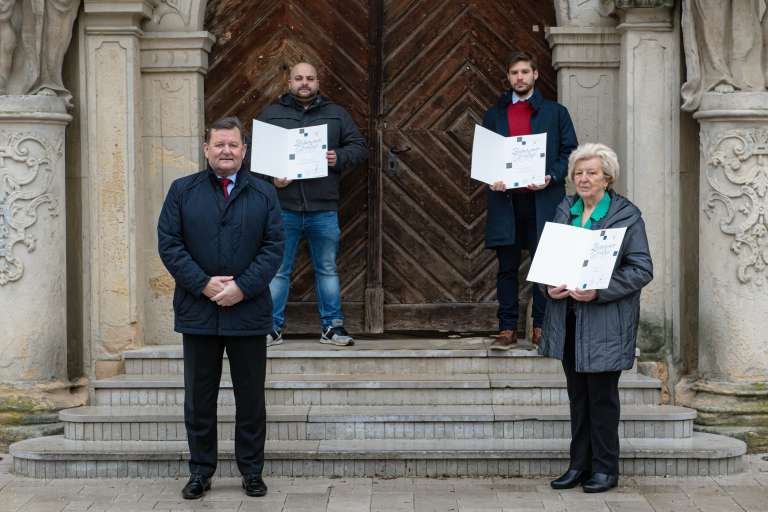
570 479
600 482
196 487
254 486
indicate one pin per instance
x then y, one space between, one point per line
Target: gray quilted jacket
606 328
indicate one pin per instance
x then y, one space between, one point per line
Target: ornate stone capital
117 16
175 52
645 15
643 4
585 47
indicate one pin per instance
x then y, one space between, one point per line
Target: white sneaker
336 335
275 337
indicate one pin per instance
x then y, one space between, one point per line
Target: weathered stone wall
173 65
135 70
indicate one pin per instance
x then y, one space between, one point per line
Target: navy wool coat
548 117
201 235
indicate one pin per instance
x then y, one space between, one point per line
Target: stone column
587 64
649 114
33 368
585 53
112 136
32 240
173 66
732 388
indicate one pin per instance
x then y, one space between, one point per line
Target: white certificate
517 161
296 153
576 257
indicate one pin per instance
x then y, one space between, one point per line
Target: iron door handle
393 163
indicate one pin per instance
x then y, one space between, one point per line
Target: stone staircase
402 407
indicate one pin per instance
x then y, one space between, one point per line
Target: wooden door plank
374 282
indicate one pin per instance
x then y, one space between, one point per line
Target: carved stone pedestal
33 328
32 239
732 390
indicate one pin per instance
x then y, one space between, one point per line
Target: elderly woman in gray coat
593 332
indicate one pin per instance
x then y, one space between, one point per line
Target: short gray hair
610 162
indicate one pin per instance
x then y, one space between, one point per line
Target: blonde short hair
610 162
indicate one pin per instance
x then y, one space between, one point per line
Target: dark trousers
507 290
594 401
203 357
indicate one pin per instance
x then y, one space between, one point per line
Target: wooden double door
416 75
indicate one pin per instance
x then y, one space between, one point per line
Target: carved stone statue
726 47
585 13
34 37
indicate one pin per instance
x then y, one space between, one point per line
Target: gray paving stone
392 502
437 501
306 502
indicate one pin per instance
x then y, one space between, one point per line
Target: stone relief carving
26 175
724 47
34 36
737 171
181 9
589 13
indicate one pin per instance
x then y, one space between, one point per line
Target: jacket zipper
303 197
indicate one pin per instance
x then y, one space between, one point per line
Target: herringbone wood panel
257 41
443 67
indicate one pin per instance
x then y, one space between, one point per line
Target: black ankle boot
601 482
254 486
196 487
570 479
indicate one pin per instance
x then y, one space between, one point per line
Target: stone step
322 422
57 457
376 389
392 356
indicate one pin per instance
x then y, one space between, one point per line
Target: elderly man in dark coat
220 236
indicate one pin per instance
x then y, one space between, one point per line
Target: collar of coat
240 182
621 212
288 100
535 100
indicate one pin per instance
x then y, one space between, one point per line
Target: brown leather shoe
505 340
536 335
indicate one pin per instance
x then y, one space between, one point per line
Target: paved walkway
747 492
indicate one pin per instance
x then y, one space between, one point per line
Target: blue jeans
321 230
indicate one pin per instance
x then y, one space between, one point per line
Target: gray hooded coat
606 328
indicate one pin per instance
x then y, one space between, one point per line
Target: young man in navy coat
220 236
516 217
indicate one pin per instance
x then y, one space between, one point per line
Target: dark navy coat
201 235
548 117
